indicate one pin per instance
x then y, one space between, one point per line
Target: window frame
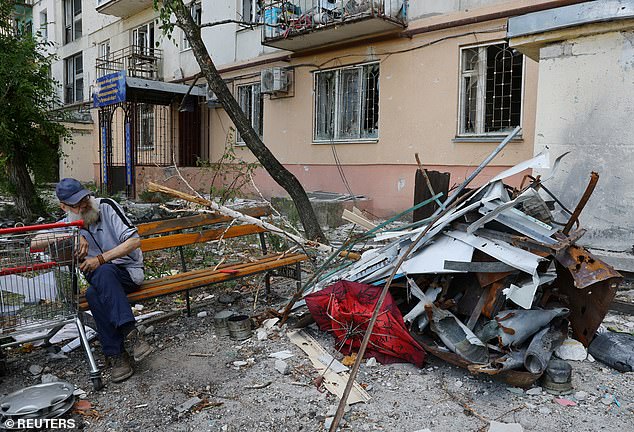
103 52
145 114
251 116
74 77
44 24
256 9
337 139
196 11
75 26
148 39
480 132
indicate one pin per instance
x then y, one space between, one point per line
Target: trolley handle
29 228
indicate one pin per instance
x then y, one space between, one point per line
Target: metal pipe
594 179
477 171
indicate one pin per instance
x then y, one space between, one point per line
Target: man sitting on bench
112 262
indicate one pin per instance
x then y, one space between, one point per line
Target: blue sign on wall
110 89
128 155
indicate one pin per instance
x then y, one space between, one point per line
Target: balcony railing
138 61
300 24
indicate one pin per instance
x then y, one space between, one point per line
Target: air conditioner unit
274 80
212 99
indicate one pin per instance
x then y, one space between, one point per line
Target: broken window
74 79
252 104
490 89
347 103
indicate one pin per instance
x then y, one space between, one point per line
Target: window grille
72 20
347 103
74 81
145 127
491 89
252 103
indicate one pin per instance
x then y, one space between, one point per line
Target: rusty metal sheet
590 286
586 269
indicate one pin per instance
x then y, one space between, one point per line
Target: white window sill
485 138
350 141
186 49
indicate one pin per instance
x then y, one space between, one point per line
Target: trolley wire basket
38 284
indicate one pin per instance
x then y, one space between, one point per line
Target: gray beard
90 216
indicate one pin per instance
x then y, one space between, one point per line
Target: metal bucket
239 327
220 322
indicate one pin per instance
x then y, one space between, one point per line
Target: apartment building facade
344 93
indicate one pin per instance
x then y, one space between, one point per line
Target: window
196 10
347 103
44 25
145 127
72 20
252 103
74 83
490 89
251 10
143 39
104 60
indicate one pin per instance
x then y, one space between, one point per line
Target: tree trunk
27 202
275 169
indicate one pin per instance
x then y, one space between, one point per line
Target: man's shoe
139 347
121 367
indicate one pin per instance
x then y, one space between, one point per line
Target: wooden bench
202 228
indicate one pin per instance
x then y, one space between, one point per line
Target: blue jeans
109 305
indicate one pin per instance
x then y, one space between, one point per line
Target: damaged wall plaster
584 106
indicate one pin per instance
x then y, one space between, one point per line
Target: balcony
302 24
122 8
138 61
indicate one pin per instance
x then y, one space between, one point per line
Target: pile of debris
491 282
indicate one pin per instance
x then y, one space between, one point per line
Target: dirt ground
242 390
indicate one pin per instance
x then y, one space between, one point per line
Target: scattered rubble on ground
489 320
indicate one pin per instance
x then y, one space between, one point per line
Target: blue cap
70 191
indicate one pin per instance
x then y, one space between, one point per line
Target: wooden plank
203 219
199 278
213 278
439 182
174 240
194 274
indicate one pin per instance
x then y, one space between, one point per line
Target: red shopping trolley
39 285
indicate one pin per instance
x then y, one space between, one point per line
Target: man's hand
89 265
82 250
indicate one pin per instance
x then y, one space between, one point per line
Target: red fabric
345 309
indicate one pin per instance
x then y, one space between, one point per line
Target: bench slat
212 278
174 240
176 224
199 278
230 265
